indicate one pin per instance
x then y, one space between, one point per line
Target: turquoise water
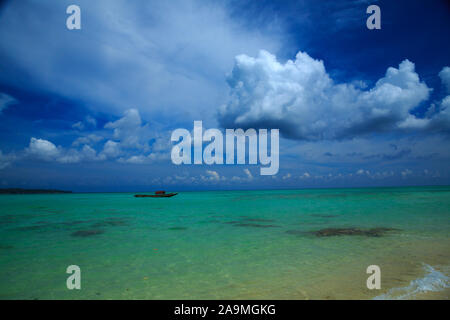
223 245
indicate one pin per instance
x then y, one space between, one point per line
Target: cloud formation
166 57
5 101
445 77
6 160
130 130
131 141
300 98
43 149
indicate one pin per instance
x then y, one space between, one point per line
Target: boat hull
166 195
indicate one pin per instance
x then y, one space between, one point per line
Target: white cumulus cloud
300 98
213 175
43 149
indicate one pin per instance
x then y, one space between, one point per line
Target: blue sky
93 109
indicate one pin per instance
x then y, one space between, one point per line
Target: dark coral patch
86 233
30 228
73 223
258 220
250 223
177 228
7 219
231 222
373 232
325 215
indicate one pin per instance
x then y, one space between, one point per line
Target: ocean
266 244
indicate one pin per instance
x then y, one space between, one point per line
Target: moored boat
158 194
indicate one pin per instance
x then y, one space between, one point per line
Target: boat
158 194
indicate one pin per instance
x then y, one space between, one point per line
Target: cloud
134 159
43 149
89 153
111 149
6 160
406 173
88 122
5 101
374 153
86 153
128 143
91 121
134 142
286 176
306 175
212 175
439 114
248 174
301 99
78 125
166 57
361 172
445 77
130 131
88 139
248 177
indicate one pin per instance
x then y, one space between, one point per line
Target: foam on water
433 281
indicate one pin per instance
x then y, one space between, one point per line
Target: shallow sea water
227 245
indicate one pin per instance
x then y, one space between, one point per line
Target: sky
93 109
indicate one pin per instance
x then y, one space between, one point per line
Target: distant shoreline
56 191
30 191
